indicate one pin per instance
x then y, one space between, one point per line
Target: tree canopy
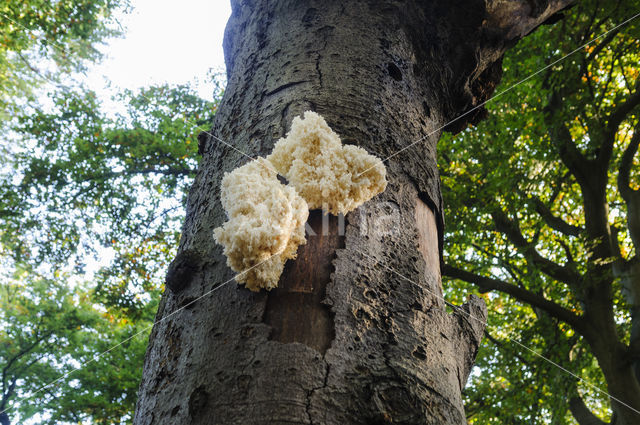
50 328
90 207
542 219
42 41
79 185
542 204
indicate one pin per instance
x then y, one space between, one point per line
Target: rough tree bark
357 332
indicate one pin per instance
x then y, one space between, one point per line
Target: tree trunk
356 332
617 368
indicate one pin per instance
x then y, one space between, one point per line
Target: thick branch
582 414
553 221
512 231
8 394
522 17
571 156
623 109
615 119
626 163
486 284
631 196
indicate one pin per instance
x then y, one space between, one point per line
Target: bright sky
165 41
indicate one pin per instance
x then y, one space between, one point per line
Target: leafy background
512 168
91 204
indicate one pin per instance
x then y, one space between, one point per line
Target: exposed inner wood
294 309
428 240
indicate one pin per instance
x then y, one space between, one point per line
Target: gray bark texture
357 331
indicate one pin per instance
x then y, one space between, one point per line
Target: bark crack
283 119
460 381
285 86
314 389
324 33
318 69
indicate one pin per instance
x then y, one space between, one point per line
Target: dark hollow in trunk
295 310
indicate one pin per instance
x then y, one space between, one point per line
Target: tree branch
512 231
631 196
7 395
553 221
571 156
582 414
40 73
31 67
626 162
21 354
486 284
600 46
613 123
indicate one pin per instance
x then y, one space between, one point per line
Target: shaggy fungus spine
267 214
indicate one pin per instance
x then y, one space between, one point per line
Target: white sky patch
164 42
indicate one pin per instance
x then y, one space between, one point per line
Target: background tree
356 331
77 177
42 41
49 329
542 203
89 211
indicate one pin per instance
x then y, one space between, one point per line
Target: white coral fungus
323 171
265 227
267 219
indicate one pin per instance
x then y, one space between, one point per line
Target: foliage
41 40
521 213
79 177
49 328
90 208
